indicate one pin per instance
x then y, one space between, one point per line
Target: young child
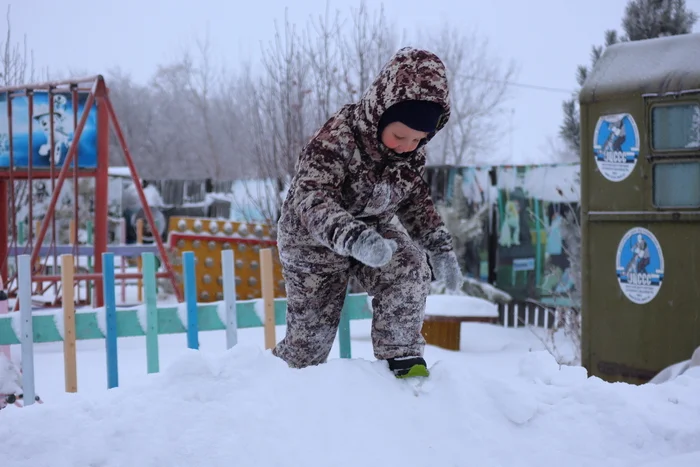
359 170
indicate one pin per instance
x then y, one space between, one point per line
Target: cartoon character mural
616 146
639 265
530 233
517 261
554 238
62 128
476 193
41 152
640 257
617 135
510 227
533 254
558 281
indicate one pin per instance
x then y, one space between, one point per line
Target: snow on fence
28 327
518 314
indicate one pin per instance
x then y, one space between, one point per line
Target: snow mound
672 371
246 407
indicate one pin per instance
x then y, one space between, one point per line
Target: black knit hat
419 115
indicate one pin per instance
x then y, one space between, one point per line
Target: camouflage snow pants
316 281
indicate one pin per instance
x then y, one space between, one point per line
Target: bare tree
365 48
191 119
558 149
17 62
137 118
178 142
234 132
479 86
306 78
16 67
200 92
186 121
278 107
287 83
344 55
261 191
322 51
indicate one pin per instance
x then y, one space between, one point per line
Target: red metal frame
97 94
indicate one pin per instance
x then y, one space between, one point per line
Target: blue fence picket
110 320
189 279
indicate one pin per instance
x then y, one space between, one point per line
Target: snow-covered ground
500 401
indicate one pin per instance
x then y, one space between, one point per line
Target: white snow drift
245 407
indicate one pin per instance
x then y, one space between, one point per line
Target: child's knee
411 262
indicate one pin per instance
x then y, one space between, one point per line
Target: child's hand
446 269
372 249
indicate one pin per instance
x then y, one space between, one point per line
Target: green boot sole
416 370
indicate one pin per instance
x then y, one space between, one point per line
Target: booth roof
653 66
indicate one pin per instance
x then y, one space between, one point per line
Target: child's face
401 138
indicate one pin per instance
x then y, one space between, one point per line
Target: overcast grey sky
547 38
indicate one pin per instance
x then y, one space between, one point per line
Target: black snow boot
407 367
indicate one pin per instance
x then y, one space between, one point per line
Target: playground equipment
640 203
54 132
207 238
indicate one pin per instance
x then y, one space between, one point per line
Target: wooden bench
445 330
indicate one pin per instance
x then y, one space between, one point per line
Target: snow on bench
445 314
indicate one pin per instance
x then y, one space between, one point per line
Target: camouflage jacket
347 180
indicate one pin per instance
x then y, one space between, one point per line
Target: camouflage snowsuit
347 181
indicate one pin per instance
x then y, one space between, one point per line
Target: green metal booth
640 208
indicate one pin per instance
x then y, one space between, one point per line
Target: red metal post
76 191
13 204
101 187
52 166
142 197
30 165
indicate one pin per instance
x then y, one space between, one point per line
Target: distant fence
518 314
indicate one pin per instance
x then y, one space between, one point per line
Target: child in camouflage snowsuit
359 170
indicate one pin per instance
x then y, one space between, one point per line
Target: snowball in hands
372 249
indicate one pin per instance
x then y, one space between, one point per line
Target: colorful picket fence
150 319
